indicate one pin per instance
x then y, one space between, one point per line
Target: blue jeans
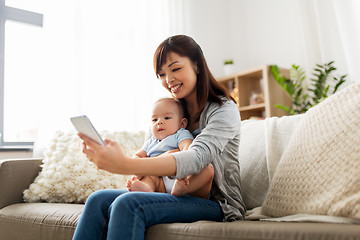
120 214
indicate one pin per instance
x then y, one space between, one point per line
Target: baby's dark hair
181 105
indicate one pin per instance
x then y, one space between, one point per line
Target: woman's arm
113 159
222 124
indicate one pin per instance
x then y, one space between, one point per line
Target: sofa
263 145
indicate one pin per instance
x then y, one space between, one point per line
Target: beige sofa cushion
39 221
319 171
254 230
36 221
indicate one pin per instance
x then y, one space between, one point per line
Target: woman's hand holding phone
109 157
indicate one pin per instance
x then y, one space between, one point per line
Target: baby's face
166 119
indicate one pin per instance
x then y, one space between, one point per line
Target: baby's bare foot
180 187
138 186
128 184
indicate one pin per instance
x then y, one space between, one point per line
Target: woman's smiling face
178 76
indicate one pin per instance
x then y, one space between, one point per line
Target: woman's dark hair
207 88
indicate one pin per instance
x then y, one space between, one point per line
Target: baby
169 135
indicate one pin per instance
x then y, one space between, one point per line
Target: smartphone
83 125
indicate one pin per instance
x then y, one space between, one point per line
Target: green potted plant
322 84
228 66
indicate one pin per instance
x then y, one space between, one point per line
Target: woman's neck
193 109
192 105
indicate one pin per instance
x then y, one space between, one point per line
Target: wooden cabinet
256 92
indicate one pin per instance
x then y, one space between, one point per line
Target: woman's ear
196 68
184 123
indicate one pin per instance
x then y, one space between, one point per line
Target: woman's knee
102 198
95 197
130 202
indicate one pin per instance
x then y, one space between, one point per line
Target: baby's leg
198 185
146 184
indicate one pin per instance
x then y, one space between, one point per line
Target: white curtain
331 31
348 16
98 61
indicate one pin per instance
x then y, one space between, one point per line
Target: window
79 57
20 35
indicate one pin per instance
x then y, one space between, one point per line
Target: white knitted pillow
319 172
253 165
262 143
68 176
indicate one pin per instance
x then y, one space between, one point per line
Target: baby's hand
172 151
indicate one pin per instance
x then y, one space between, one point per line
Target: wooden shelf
253 107
245 85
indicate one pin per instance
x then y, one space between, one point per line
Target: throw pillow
319 170
262 142
252 160
67 176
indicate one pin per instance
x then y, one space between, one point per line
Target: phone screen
83 125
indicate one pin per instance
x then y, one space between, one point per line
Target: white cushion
262 143
319 172
67 176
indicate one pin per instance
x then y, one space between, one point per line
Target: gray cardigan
217 143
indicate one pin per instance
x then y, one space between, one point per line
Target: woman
214 121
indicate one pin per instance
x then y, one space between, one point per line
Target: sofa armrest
15 176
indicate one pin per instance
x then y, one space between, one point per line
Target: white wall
259 32
208 23
263 32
